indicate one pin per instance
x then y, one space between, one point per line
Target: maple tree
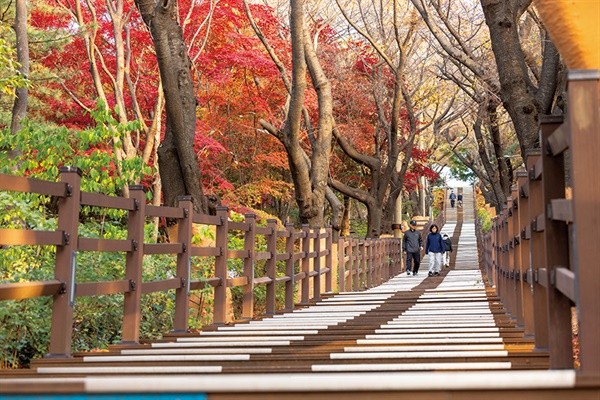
228 84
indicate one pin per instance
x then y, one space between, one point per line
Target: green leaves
10 77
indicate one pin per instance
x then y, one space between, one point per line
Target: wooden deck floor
444 336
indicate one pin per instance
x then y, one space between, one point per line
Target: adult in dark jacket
452 199
435 248
412 244
448 249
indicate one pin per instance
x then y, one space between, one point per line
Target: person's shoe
429 274
437 274
407 272
415 274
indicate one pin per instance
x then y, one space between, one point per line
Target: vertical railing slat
249 246
134 265
66 262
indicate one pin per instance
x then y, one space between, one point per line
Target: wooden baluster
317 263
503 257
556 243
250 247
305 265
342 264
329 260
510 261
221 242
271 266
363 267
134 260
184 236
584 121
536 244
516 238
289 268
65 266
357 258
496 252
524 247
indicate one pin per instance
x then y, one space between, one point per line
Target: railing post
221 242
370 277
510 264
495 251
504 257
271 266
399 256
184 236
61 332
357 258
350 264
289 268
536 210
584 121
525 231
342 264
329 260
305 265
556 245
317 263
379 251
516 238
365 264
132 305
249 246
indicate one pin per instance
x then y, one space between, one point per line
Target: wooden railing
542 253
354 264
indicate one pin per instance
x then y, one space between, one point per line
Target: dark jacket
434 244
447 244
452 196
412 242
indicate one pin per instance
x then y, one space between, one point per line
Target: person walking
447 250
452 199
435 246
459 200
412 244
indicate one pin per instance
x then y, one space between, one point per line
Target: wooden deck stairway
444 336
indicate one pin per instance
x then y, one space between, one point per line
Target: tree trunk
345 231
521 99
374 218
422 196
337 212
20 104
310 178
179 169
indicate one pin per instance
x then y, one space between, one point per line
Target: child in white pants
435 263
435 248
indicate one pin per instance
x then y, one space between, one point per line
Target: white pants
435 262
446 258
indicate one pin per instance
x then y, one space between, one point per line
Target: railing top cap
551 119
70 169
583 74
